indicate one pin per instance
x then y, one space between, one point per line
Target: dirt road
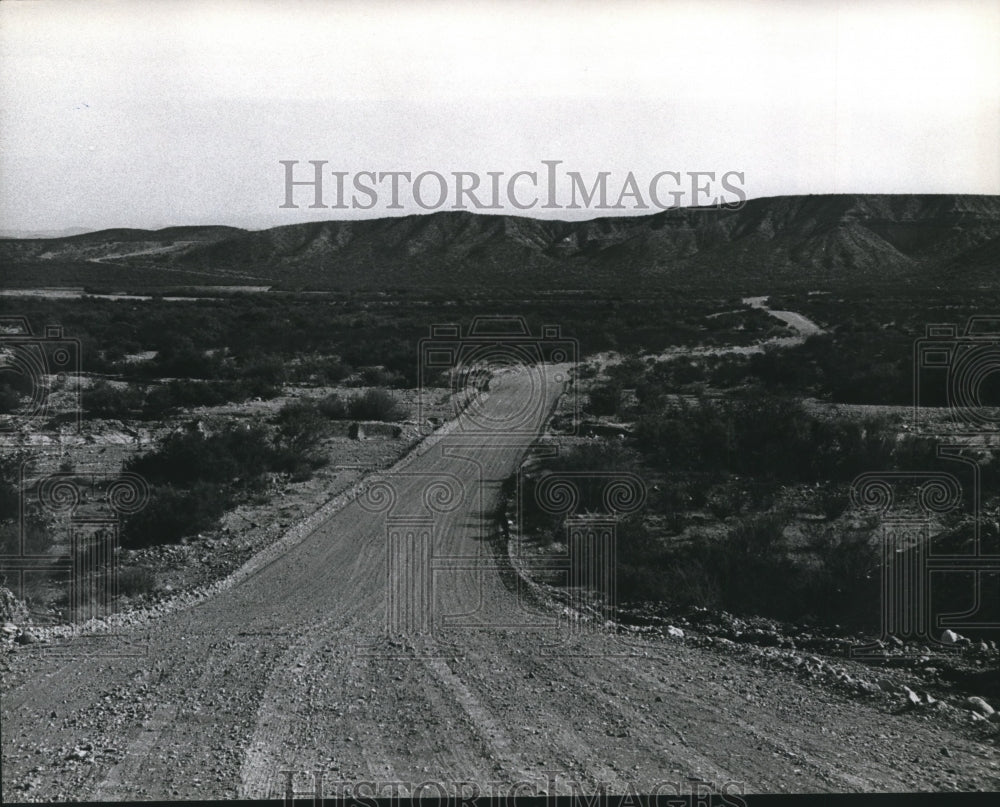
303 666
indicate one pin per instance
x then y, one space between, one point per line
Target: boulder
980 706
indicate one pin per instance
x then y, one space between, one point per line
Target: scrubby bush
10 399
301 428
264 374
604 399
186 394
180 358
752 570
11 463
173 513
202 474
381 377
105 400
765 436
376 404
135 581
237 453
333 407
321 370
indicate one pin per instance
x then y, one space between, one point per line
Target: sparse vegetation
731 450
196 477
376 404
136 581
736 483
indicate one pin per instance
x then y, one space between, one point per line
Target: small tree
301 426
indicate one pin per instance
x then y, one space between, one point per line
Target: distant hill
826 238
68 231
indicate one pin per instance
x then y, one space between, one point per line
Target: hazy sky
150 114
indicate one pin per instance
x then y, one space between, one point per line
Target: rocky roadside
960 685
196 568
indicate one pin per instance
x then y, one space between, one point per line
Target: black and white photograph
560 403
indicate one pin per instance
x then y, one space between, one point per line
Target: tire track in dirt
499 705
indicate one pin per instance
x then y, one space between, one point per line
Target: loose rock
980 706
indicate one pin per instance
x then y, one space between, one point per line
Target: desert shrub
832 500
105 400
236 454
727 498
333 407
381 377
752 570
16 382
746 571
301 427
173 513
680 493
10 483
321 370
587 468
599 457
763 436
844 583
638 570
604 399
264 375
10 399
180 358
376 404
135 581
204 474
293 413
186 393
